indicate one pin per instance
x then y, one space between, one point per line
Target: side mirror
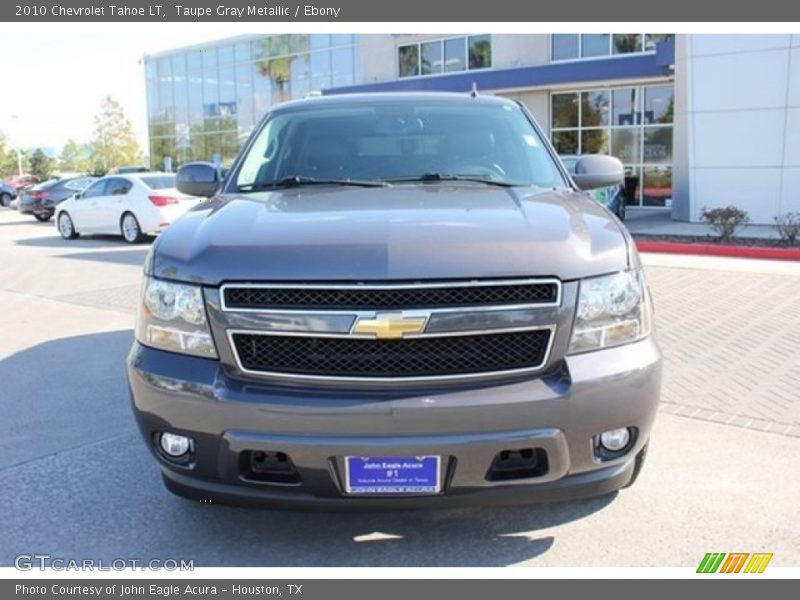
598 171
77 195
198 179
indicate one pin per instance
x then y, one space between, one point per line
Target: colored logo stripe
734 562
710 562
713 562
758 562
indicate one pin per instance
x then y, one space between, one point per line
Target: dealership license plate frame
393 484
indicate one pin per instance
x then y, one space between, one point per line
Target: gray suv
395 300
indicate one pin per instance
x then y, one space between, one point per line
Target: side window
76 185
118 187
96 189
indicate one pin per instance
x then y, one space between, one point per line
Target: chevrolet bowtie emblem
389 326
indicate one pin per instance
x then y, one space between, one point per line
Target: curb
719 250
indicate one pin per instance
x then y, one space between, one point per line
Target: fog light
175 445
616 439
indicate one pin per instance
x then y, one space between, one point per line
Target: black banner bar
373 589
404 11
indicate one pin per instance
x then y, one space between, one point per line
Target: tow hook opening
523 463
268 466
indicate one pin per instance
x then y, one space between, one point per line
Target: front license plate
392 474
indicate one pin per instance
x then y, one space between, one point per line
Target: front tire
5 199
42 218
66 227
130 228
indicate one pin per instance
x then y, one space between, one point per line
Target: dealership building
697 120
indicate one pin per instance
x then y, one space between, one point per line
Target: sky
54 78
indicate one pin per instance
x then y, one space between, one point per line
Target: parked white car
130 205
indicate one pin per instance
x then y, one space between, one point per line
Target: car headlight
172 316
612 310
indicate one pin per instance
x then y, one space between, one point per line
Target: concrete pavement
79 482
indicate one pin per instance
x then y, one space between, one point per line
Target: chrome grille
405 358
395 297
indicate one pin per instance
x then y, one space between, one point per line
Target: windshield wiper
299 180
438 176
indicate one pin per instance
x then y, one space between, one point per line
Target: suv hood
405 232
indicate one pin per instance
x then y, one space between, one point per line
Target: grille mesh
397 298
414 357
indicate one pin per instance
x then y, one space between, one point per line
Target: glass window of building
571 46
651 39
432 57
626 106
595 44
194 69
204 103
262 88
166 101
626 43
480 52
242 52
565 110
342 39
408 60
299 76
210 84
245 95
225 55
455 54
658 104
566 46
343 66
633 123
321 74
446 55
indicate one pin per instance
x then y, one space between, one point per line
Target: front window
395 141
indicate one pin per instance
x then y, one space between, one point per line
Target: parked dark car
41 199
7 194
396 300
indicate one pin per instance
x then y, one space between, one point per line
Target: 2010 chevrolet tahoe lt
395 300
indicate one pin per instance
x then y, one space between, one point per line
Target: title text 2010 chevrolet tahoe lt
395 300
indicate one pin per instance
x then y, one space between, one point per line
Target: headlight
172 317
612 310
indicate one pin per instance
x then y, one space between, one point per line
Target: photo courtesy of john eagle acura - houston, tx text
396 300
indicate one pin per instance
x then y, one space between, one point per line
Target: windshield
399 141
159 182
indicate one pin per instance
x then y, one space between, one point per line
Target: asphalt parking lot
77 481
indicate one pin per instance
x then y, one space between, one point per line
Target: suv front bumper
560 413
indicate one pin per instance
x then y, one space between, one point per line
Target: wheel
131 230
42 218
637 467
65 227
5 199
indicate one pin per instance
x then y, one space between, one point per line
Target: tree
113 143
41 165
73 158
8 159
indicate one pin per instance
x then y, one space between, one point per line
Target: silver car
395 300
